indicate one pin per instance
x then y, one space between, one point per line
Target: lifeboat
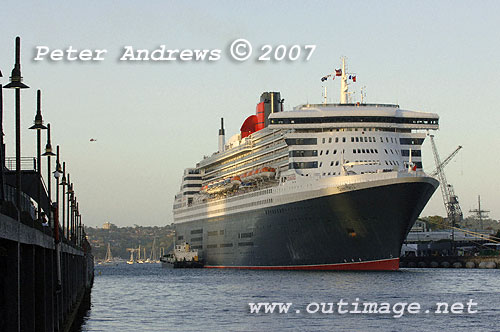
244 176
267 172
226 185
254 175
210 188
218 187
235 181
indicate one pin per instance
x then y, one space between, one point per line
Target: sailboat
109 260
152 255
131 260
139 260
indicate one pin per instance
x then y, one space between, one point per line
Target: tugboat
182 257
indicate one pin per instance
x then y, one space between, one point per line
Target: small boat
235 182
182 257
109 260
267 172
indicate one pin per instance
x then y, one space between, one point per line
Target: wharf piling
32 298
470 262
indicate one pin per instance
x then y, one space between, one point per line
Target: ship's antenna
363 94
343 86
324 95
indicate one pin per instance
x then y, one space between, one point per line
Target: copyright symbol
241 49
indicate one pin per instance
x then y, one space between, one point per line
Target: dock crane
453 210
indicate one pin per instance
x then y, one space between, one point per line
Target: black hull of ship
357 230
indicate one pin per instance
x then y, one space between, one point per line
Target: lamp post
48 153
2 150
75 221
16 83
63 184
69 193
38 126
72 215
57 173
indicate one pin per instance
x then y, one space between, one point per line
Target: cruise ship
319 187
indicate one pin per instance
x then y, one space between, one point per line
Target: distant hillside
121 238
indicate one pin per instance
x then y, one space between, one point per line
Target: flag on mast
338 72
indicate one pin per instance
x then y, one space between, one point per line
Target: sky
153 119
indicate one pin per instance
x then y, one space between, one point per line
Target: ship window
334 151
321 153
366 139
301 141
323 141
337 163
245 235
320 164
359 150
363 150
303 165
327 151
353 150
343 139
357 139
329 140
212 233
180 237
331 164
386 162
186 178
387 140
411 141
193 239
225 245
386 151
245 244
303 153
197 231
369 139
192 185
352 139
414 153
381 139
336 139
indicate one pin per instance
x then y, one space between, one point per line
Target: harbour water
145 297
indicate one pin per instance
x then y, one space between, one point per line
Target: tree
436 222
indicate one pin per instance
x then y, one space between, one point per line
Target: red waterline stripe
379 265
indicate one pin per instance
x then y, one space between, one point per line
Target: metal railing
27 163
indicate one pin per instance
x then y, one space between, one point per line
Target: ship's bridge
353 115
